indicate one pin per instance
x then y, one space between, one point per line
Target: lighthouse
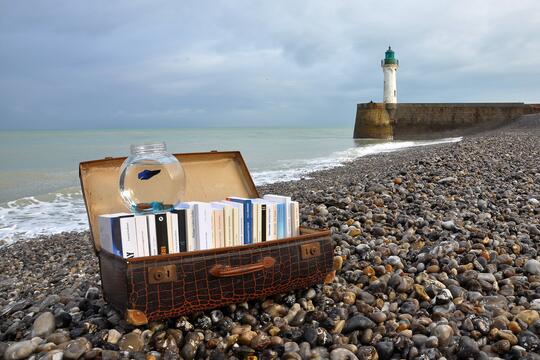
390 65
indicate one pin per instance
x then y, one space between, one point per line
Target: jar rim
147 148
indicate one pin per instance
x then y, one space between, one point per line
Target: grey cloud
71 64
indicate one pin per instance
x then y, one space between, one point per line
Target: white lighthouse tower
390 65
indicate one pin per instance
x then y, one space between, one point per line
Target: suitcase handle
227 271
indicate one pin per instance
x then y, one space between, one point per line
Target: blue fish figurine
148 174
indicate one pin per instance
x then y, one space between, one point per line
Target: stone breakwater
410 121
437 250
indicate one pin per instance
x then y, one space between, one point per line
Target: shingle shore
438 253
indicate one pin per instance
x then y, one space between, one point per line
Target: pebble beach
436 251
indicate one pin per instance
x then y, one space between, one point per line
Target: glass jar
151 179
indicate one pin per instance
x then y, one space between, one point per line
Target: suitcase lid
210 176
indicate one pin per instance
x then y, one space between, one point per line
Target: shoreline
64 211
439 249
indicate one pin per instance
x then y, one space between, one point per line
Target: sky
173 64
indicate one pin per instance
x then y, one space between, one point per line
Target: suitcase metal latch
310 250
161 274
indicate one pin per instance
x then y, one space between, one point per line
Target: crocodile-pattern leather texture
196 289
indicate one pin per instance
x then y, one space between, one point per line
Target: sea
40 191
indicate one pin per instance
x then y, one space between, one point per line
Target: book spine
259 223
170 245
281 220
116 237
196 226
105 233
248 223
240 240
236 227
182 230
175 233
129 237
190 231
141 226
270 221
295 209
264 222
227 229
152 239
214 229
254 223
220 229
288 221
274 221
206 228
161 234
230 227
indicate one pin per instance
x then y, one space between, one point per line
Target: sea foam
298 169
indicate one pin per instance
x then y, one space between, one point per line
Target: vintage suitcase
155 287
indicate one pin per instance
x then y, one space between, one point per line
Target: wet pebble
20 350
358 322
44 325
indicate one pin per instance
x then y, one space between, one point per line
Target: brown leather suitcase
156 287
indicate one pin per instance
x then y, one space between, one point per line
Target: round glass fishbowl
151 179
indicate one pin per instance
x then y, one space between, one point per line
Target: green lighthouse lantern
389 57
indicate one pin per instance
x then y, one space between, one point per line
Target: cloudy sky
132 64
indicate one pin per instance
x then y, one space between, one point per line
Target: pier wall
434 120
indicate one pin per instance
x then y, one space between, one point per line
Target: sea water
40 190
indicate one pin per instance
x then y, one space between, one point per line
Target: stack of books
199 225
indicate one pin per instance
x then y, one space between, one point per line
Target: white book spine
203 223
129 237
190 235
207 212
170 244
141 226
193 235
288 227
197 225
268 221
214 229
152 239
230 227
236 227
269 217
227 229
240 239
220 229
275 222
175 234
253 223
295 210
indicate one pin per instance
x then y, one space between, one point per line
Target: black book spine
161 234
263 222
116 236
182 235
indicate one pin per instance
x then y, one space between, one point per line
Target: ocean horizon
40 191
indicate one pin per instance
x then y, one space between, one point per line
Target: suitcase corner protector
136 317
329 277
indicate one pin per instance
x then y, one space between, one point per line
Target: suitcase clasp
310 250
161 274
